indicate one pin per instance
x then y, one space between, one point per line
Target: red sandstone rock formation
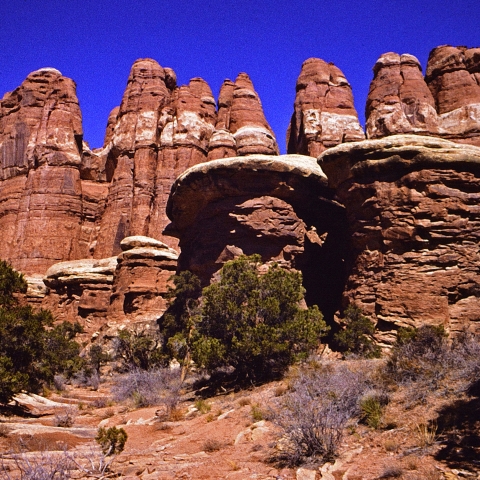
277 206
141 280
399 100
80 291
412 207
40 185
106 294
324 113
446 103
241 127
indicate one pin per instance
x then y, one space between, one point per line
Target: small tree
356 335
139 349
32 349
111 440
253 322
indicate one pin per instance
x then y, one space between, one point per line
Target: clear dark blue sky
95 42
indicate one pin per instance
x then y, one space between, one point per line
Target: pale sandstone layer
324 114
413 211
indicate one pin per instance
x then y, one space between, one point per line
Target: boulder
324 114
414 221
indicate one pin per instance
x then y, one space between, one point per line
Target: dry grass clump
312 417
212 445
149 387
65 417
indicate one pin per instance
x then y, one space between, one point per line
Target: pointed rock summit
40 161
241 127
324 114
444 103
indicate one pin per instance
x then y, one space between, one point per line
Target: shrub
356 335
419 355
372 406
139 349
65 417
253 322
32 349
313 415
111 440
146 388
42 466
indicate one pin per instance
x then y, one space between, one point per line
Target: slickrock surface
40 159
80 291
413 211
277 206
141 280
446 103
324 114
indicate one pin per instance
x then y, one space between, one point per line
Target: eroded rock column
413 210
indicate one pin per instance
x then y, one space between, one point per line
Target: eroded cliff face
394 228
40 172
324 114
446 103
61 201
412 205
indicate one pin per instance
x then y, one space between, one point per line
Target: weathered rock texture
324 113
141 280
80 291
241 127
40 186
413 210
446 103
277 206
112 292
61 201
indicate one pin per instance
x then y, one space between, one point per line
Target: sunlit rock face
241 127
160 131
445 103
106 294
141 280
277 206
324 114
412 205
40 164
61 200
80 290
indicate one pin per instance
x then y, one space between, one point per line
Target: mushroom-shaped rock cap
293 177
87 270
139 241
397 153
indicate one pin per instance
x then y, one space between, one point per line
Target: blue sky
95 42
